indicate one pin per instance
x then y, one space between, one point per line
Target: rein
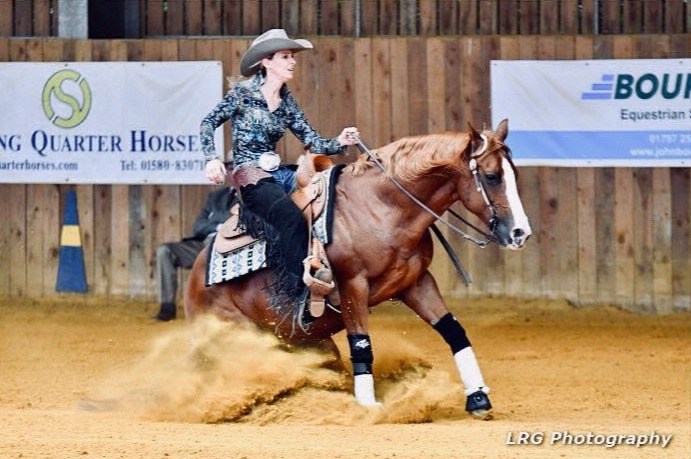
478 185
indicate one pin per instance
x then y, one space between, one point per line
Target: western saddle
310 197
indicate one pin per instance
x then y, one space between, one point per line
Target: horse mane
410 157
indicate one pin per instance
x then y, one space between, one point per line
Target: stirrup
321 283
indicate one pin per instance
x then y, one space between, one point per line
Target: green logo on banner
54 92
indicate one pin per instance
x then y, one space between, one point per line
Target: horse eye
493 178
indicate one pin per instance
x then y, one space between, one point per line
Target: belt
268 161
249 175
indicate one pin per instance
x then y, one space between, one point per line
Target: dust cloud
214 372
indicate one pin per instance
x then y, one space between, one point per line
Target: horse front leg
424 299
355 312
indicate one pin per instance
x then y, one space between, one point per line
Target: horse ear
503 129
472 132
476 140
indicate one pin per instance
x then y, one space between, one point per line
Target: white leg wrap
470 371
364 390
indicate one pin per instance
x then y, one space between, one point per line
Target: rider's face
281 65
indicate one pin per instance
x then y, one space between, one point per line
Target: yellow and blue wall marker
71 275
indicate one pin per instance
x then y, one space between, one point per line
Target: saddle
310 197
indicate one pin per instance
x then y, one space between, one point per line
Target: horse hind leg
328 348
216 299
195 289
334 362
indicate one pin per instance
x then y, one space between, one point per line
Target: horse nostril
518 233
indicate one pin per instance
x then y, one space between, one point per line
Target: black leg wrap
452 332
361 354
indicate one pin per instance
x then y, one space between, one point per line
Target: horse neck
430 165
435 192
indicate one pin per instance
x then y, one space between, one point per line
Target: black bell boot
167 312
478 405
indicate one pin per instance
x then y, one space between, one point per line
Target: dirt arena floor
87 379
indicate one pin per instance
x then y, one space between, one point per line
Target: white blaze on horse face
521 226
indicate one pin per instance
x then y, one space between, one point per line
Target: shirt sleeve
306 133
219 115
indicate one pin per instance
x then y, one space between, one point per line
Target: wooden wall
38 18
613 235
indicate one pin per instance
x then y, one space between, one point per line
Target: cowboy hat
265 45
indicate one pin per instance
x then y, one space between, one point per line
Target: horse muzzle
511 236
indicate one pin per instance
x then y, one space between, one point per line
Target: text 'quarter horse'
381 248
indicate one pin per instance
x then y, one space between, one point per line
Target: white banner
634 113
106 122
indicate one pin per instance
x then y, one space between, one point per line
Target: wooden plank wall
38 18
612 235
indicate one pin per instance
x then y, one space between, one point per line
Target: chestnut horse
382 248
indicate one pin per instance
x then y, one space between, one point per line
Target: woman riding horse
260 109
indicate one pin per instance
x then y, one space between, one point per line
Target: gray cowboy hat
266 44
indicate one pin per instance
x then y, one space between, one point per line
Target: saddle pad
224 267
321 227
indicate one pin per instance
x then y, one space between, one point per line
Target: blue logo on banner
647 86
601 90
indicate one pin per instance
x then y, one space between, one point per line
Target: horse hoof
479 406
482 415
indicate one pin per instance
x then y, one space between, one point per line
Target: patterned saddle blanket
234 253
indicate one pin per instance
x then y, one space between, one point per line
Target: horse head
492 194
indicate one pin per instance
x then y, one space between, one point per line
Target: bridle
480 188
478 185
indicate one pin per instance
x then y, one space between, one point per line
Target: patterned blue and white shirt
255 129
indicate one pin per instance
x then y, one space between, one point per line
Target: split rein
478 185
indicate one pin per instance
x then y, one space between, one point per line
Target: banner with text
634 113
106 122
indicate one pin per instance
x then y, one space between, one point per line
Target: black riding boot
267 200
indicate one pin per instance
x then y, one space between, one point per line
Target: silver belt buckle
269 161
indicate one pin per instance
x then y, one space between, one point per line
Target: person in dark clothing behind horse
173 255
260 109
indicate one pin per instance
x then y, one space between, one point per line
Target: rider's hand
216 171
349 136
